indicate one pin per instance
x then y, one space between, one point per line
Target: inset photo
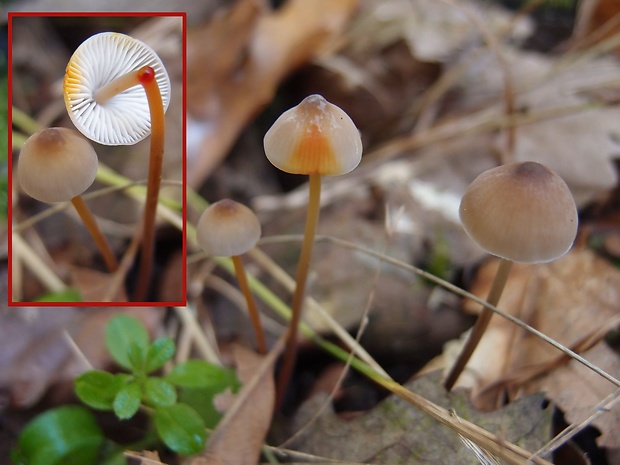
97 168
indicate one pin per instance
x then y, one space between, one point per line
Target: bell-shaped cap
227 228
56 164
123 119
315 137
523 212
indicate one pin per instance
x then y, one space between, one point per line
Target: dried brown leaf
573 300
270 45
396 432
36 350
239 437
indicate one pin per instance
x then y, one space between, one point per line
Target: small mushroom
229 229
520 212
117 91
315 138
58 165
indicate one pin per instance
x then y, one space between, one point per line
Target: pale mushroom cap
523 212
56 164
227 228
125 118
315 137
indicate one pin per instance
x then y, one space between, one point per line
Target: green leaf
97 389
127 401
202 374
181 428
159 392
66 295
127 341
202 400
66 435
159 353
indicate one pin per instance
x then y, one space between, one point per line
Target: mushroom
117 91
229 229
58 165
520 212
315 138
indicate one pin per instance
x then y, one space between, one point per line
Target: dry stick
481 324
312 220
251 303
34 263
146 76
91 225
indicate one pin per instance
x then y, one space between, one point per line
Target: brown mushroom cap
523 212
315 137
56 164
227 228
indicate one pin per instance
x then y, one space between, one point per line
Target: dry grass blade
143 458
239 437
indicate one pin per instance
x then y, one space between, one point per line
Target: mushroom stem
146 77
117 86
251 303
499 282
91 225
312 220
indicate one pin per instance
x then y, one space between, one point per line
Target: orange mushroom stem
146 77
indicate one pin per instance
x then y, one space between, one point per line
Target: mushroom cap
56 164
315 137
124 119
523 212
227 228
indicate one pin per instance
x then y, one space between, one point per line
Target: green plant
178 405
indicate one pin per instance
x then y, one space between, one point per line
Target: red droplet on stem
146 74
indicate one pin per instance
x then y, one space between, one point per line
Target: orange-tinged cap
315 137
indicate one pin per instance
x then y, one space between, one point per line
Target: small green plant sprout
315 138
520 212
229 229
179 425
58 165
117 91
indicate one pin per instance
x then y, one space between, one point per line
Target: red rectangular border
11 15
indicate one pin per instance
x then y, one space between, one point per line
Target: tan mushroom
230 229
58 165
520 212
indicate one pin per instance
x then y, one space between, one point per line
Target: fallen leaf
94 285
573 300
269 45
396 432
36 349
239 437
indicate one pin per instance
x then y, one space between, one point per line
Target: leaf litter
581 143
